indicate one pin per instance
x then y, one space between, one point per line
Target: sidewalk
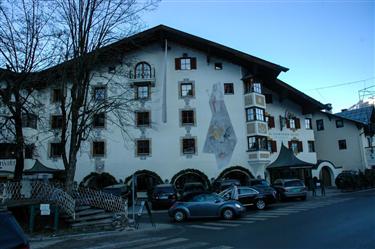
333 191
330 192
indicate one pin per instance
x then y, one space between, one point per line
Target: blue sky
323 43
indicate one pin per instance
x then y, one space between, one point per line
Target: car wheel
260 204
179 216
227 214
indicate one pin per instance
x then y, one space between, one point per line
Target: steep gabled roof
158 34
363 115
161 32
287 159
38 168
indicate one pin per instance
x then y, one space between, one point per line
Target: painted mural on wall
221 138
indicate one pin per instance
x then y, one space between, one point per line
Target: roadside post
144 203
134 178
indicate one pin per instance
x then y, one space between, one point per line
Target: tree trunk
73 150
70 172
19 141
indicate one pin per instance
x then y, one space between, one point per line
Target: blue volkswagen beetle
205 206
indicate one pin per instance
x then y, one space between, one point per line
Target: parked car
192 187
347 179
290 188
205 206
249 196
122 190
263 185
221 185
163 196
11 234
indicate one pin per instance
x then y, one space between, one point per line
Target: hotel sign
283 135
7 165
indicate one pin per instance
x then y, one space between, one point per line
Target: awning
287 160
39 168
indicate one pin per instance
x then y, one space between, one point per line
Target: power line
341 84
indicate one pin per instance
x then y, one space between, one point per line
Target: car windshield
260 183
206 198
163 190
293 184
224 192
193 188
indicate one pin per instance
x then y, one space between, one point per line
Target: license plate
163 197
296 190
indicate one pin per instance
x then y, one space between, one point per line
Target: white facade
349 155
166 157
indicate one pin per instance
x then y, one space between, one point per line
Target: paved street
343 221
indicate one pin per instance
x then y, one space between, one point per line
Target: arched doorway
189 175
146 180
238 173
326 176
98 181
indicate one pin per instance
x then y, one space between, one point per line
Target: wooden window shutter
273 146
177 63
193 62
298 123
300 149
271 122
287 123
289 144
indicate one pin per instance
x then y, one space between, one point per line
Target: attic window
186 63
218 66
339 123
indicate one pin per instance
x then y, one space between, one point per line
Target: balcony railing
146 75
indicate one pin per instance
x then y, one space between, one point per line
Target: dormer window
256 88
143 71
253 87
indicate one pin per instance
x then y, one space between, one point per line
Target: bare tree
26 46
87 26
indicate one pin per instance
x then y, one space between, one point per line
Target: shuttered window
272 146
296 146
186 63
271 121
293 123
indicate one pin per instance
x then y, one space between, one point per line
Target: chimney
328 108
344 110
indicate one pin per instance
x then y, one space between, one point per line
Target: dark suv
11 234
193 188
163 196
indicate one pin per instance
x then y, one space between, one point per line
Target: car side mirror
217 201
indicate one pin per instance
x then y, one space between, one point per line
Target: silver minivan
290 188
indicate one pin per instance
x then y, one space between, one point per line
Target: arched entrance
146 180
238 173
326 176
98 180
188 176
